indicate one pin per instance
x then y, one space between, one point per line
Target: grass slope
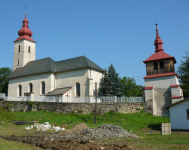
127 121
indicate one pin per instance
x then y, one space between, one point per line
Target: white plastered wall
94 76
162 82
23 56
36 80
162 93
70 78
178 116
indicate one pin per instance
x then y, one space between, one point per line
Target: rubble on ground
106 131
45 127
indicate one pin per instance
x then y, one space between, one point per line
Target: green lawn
135 122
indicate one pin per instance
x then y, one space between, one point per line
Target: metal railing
77 99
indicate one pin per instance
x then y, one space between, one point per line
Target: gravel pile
105 131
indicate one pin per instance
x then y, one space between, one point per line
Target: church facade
161 82
73 77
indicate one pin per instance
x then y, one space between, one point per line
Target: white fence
77 99
2 96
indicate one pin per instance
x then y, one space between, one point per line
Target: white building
179 114
161 82
44 77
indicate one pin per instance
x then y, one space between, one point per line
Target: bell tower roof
159 52
158 42
25 32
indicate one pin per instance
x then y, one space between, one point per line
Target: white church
73 77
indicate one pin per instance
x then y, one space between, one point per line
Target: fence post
95 101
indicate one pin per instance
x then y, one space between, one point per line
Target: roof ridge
86 61
68 59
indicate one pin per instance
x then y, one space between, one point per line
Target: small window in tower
155 65
161 64
18 48
18 62
29 49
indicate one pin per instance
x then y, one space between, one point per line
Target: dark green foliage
183 73
4 73
130 88
105 82
110 83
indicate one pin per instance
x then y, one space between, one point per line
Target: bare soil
58 144
76 128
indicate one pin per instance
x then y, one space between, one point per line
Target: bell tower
161 82
24 46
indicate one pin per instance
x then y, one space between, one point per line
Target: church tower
161 82
24 46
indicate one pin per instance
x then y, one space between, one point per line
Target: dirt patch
58 144
76 128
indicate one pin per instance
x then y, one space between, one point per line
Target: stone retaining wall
67 108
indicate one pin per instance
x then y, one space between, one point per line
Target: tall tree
130 88
110 83
4 73
105 85
183 73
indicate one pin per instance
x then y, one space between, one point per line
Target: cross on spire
25 9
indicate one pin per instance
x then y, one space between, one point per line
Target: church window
77 89
20 90
18 62
29 49
43 87
155 65
161 65
187 113
31 87
18 48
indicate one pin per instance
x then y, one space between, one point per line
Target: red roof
174 86
148 88
25 32
176 97
159 75
159 55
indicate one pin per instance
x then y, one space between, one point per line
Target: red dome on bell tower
25 32
158 42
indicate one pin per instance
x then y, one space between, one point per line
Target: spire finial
158 42
25 10
156 27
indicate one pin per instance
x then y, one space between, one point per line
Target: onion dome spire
158 42
25 32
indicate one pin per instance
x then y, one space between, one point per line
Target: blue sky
121 32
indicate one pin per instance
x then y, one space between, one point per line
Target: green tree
4 73
130 88
110 83
105 85
183 73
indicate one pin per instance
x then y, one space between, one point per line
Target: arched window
77 89
31 87
18 62
43 87
29 49
18 48
19 90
